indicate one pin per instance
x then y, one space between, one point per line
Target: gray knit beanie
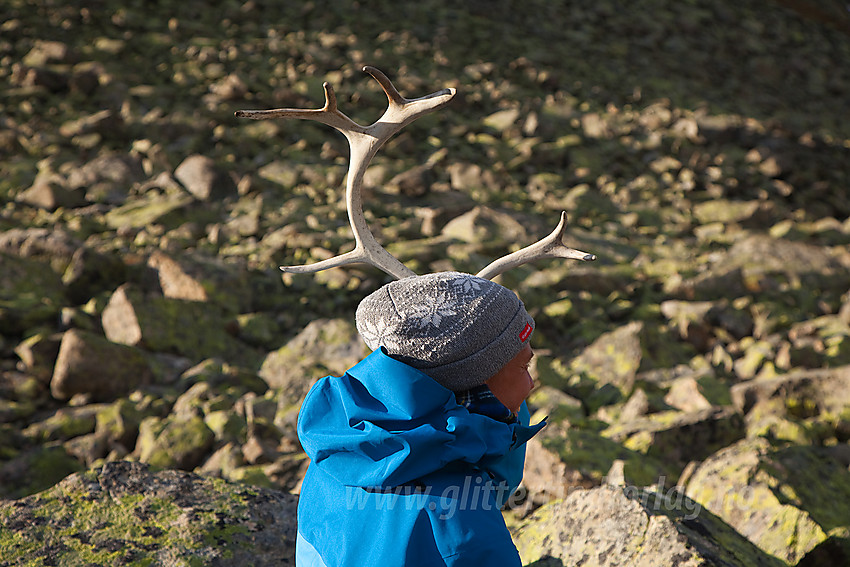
457 328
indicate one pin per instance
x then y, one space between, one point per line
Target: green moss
260 329
785 499
64 424
714 390
253 475
174 443
88 529
593 455
227 425
44 466
142 213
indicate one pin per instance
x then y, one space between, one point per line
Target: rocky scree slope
701 365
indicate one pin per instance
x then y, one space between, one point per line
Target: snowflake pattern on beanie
379 333
431 311
458 328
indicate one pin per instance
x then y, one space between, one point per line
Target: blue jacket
400 474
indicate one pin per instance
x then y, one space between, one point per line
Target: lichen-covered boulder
65 424
583 457
323 347
806 406
193 329
614 526
124 513
786 499
810 391
604 372
89 364
199 278
34 469
170 207
680 437
174 442
30 294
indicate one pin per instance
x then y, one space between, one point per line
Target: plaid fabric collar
481 400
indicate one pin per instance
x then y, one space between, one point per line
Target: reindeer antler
550 247
364 142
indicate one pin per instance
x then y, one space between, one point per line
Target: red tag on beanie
525 333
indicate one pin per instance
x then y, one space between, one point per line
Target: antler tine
389 88
364 142
551 246
328 114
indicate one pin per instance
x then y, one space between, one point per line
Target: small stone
685 395
48 52
89 364
202 178
174 443
50 195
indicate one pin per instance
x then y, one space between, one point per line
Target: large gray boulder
124 513
324 347
614 526
787 499
89 364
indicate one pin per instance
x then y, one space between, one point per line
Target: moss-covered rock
174 443
260 330
170 208
556 405
193 329
613 526
123 513
227 426
119 422
30 294
786 499
89 364
220 374
588 457
35 469
65 424
603 373
323 347
203 278
802 394
680 437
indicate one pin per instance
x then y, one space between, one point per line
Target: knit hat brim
457 328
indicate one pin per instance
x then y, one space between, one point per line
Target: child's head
459 329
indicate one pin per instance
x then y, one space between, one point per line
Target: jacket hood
385 423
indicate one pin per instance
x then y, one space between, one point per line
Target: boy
416 448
